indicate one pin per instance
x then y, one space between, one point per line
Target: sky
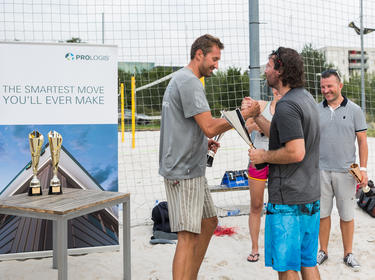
93 146
162 31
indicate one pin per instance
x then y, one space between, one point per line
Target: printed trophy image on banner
58 131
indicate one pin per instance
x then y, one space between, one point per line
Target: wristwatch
363 169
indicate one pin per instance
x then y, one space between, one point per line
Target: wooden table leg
126 240
62 248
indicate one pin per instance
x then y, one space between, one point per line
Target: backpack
366 203
160 217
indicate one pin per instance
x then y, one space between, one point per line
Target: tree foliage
225 89
314 63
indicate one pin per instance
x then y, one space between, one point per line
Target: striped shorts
189 201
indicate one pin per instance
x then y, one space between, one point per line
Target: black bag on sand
367 203
160 217
161 230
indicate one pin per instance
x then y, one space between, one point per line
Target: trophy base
33 191
55 190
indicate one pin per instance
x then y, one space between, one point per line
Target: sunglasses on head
330 72
278 61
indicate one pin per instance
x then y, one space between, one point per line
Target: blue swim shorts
291 236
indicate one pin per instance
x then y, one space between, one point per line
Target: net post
122 113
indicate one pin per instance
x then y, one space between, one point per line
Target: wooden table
61 208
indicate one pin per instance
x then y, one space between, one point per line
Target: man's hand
213 145
249 108
364 179
257 155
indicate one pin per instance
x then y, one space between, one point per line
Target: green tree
352 90
125 78
225 89
148 100
314 63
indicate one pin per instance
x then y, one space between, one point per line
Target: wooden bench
223 188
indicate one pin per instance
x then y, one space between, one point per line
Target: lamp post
362 31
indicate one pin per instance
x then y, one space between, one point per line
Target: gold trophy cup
356 172
55 141
36 142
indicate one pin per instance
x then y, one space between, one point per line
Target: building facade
348 60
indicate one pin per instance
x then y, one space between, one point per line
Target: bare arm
251 125
263 124
211 126
293 151
363 154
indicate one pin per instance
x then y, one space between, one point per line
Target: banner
71 89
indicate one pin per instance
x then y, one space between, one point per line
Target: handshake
249 108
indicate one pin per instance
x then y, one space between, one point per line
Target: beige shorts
189 201
341 186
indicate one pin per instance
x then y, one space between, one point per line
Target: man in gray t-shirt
183 145
185 125
341 122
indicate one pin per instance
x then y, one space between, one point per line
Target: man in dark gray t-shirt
186 124
296 117
292 221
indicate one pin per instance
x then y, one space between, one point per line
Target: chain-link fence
154 39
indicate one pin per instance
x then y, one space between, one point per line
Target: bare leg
310 273
324 231
183 261
347 232
207 229
256 207
288 275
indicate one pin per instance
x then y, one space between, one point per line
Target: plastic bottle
210 158
368 190
233 212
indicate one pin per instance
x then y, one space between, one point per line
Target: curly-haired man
292 221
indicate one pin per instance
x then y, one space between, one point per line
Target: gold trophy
55 141
36 142
356 172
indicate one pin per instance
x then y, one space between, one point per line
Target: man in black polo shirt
292 221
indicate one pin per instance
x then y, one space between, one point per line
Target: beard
270 82
205 71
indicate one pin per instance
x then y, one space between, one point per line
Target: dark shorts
291 236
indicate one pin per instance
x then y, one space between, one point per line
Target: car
140 119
